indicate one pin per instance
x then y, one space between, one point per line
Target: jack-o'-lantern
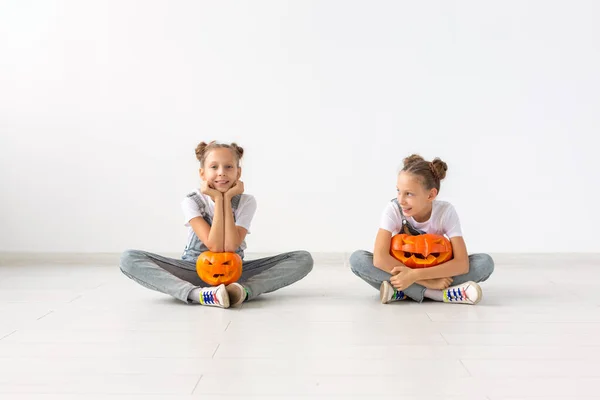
421 251
218 268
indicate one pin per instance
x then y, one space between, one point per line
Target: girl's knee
304 260
484 264
488 264
359 259
128 261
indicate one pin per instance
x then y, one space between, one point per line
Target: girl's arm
217 229
203 230
459 265
381 253
234 235
211 236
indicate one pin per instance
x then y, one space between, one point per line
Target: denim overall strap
406 226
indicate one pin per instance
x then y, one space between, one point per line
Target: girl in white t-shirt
218 217
417 211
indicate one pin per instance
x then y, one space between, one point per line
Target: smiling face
220 169
414 199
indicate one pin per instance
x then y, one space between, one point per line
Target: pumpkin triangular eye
207 262
228 262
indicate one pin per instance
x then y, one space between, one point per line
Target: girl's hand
209 190
237 188
402 277
438 283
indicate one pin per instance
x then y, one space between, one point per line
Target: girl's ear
432 194
201 172
239 173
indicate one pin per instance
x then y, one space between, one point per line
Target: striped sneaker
215 296
387 293
465 293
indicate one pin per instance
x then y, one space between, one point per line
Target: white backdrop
102 104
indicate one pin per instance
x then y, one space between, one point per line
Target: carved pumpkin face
421 251
217 268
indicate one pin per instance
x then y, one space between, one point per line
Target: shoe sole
479 291
237 295
225 303
384 292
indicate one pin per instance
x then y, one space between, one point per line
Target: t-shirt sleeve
245 213
451 223
389 219
190 210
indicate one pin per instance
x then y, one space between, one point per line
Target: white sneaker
237 294
465 293
387 293
214 296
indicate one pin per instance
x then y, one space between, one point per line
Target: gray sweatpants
179 277
481 267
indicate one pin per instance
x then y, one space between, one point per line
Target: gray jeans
179 277
481 267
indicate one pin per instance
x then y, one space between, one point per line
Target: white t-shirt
243 214
443 221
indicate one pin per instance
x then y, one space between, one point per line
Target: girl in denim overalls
218 217
416 211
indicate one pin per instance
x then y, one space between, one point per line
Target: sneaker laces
456 294
209 296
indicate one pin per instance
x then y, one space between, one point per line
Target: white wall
102 104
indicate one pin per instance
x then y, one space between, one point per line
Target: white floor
82 330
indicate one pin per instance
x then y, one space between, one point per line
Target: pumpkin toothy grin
421 251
